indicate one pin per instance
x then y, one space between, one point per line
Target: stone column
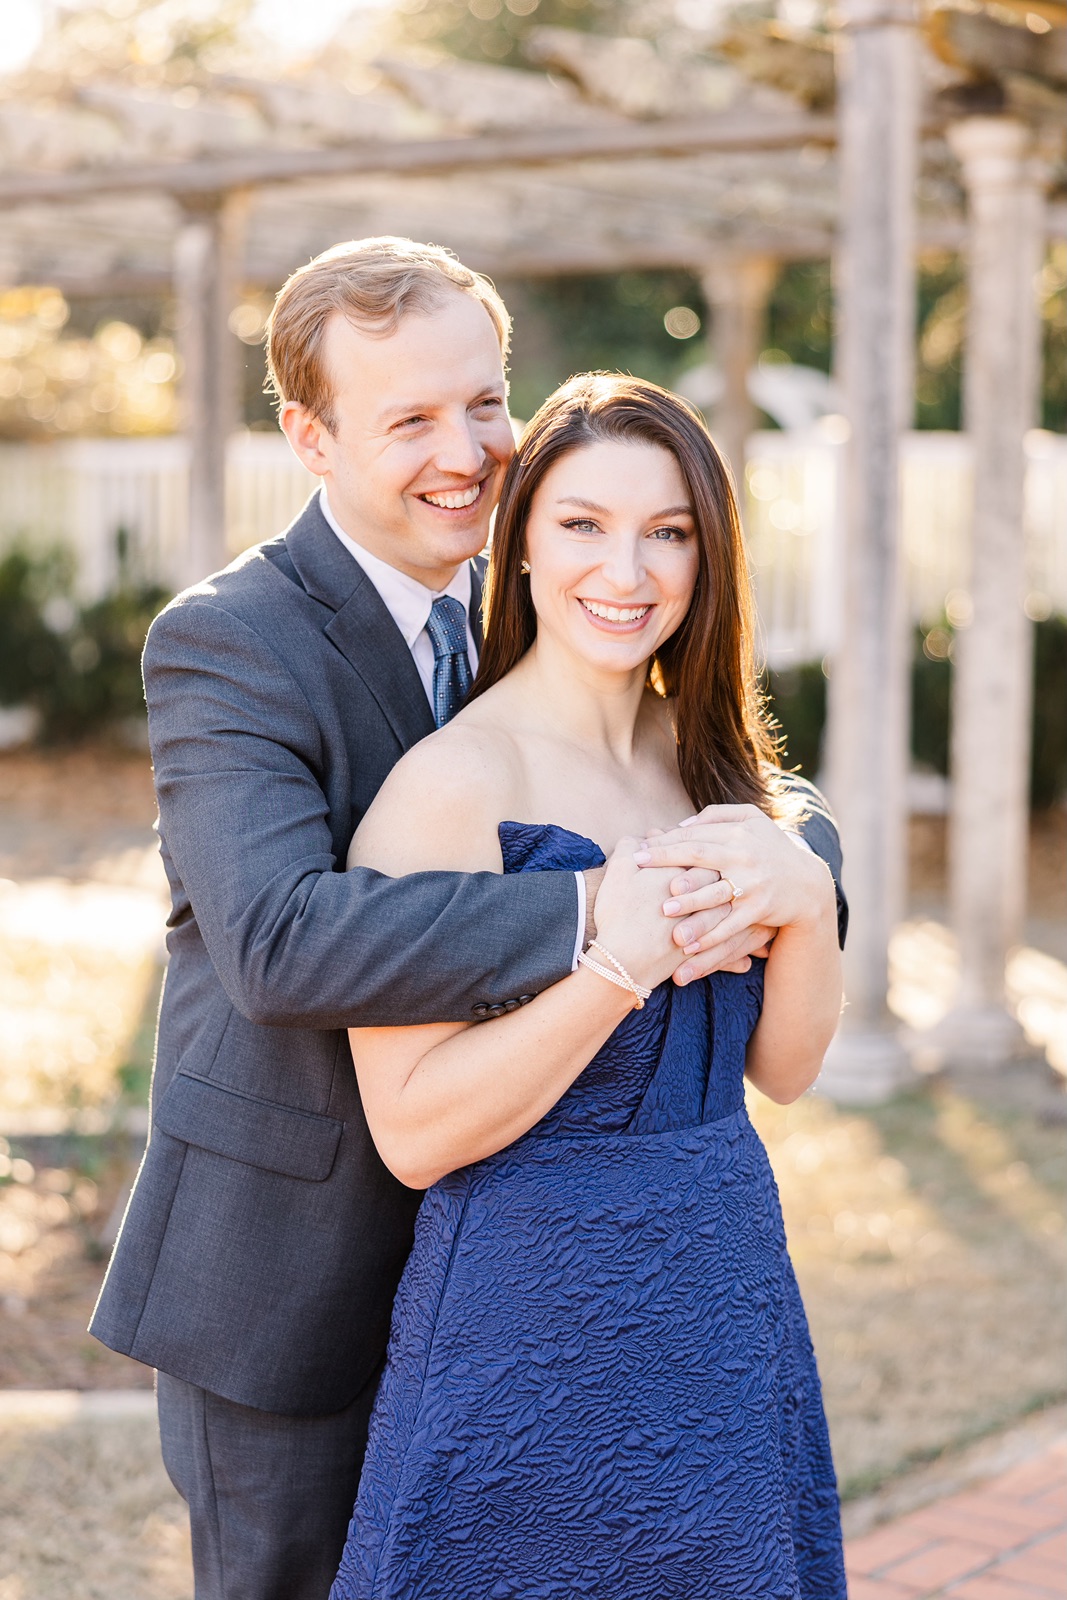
867 736
993 678
737 290
206 266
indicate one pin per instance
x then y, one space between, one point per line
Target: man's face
421 435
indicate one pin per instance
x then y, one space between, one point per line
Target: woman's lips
616 619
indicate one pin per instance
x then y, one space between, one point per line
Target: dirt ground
122 1532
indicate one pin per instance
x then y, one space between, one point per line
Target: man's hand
743 879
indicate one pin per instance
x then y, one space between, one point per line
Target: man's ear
304 431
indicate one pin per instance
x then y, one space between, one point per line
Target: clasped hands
740 878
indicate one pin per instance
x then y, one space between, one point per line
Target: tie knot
447 627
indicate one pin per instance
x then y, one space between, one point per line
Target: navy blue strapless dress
600 1380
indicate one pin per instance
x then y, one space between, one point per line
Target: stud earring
525 569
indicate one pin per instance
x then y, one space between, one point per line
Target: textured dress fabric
600 1380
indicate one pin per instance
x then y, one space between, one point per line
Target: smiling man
260 1253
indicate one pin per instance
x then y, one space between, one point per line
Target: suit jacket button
481 1009
497 1009
524 999
511 1005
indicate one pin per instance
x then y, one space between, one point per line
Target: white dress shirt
409 602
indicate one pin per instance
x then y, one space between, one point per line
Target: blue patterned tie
447 627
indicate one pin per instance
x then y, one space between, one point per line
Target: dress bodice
679 1061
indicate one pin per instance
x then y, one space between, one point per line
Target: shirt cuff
579 942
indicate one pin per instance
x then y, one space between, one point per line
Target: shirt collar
407 600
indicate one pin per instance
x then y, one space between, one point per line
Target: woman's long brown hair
726 752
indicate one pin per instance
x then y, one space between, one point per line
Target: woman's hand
766 881
764 876
629 916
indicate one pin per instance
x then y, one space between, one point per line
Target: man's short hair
373 283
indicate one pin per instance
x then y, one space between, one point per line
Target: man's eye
493 401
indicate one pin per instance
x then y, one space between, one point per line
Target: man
264 1239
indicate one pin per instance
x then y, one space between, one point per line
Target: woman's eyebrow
591 505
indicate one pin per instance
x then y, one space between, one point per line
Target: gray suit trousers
270 1497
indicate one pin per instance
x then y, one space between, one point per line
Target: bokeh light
114 381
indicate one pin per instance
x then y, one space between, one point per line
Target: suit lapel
361 627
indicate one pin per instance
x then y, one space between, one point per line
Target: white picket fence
82 491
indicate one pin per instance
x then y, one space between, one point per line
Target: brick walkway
1004 1540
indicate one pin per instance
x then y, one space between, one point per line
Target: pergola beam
596 258
543 147
578 257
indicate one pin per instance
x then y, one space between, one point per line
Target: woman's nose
622 567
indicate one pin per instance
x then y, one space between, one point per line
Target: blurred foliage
30 650
931 696
564 325
77 665
1053 290
798 702
941 330
495 31
110 380
800 315
148 41
574 324
1048 762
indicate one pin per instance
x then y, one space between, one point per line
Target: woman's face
612 547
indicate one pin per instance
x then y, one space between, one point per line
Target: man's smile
454 499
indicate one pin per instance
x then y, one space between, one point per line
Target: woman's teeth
616 613
455 501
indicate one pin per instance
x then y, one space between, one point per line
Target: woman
600 1380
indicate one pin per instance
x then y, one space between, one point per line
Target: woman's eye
678 535
582 525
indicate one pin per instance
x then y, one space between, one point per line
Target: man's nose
458 450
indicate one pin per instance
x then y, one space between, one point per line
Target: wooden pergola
522 173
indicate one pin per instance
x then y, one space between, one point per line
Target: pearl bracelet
619 976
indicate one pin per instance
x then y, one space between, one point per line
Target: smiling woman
704 662
599 1370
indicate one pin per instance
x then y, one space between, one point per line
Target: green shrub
1048 759
30 651
78 666
798 702
797 698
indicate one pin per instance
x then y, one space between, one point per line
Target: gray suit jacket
264 1238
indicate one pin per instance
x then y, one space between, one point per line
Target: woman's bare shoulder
440 806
